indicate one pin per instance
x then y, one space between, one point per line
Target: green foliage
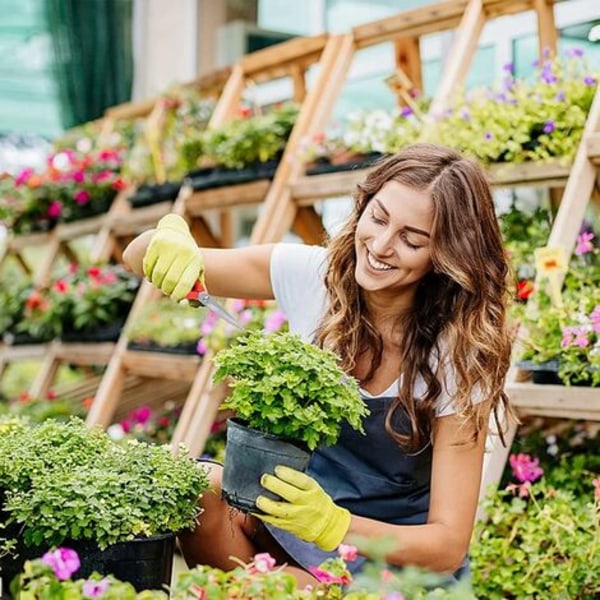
166 323
541 546
251 140
40 409
283 385
39 582
66 481
289 388
524 120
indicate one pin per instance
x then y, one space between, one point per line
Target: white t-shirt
297 278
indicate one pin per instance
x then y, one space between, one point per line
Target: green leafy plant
251 139
166 324
37 410
538 541
65 481
289 388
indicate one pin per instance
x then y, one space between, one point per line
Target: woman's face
393 239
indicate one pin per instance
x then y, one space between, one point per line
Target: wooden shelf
84 353
242 194
10 353
138 219
75 229
555 400
310 188
17 243
161 365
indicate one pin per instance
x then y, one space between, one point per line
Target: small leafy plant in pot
118 505
289 397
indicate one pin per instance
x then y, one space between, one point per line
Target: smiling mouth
376 264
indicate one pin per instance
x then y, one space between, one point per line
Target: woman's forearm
431 546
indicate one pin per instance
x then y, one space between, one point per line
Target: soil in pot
248 455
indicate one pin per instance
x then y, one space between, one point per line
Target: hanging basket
248 455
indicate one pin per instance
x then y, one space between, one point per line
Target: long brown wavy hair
459 313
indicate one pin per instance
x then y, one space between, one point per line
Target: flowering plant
147 425
252 314
547 538
524 120
73 186
567 330
51 406
81 300
166 324
50 577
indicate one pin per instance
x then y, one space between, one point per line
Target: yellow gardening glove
173 262
308 512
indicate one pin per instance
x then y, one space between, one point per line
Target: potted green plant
165 326
119 505
289 397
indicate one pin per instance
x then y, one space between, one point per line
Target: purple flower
525 468
465 114
560 96
94 589
575 52
63 561
488 135
589 80
508 67
549 126
548 77
406 111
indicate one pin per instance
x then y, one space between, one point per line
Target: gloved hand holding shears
307 510
174 264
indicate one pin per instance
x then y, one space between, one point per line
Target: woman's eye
409 244
376 219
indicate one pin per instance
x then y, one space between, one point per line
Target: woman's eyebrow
406 227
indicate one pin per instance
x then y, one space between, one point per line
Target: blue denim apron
369 475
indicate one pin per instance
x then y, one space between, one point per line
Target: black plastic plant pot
146 563
545 373
248 455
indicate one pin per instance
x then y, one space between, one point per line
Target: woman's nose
382 244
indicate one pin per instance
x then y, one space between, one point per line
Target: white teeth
375 264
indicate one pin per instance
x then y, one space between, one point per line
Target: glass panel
283 15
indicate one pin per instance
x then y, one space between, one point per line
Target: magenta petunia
94 589
63 561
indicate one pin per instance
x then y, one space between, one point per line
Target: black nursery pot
248 455
545 373
146 563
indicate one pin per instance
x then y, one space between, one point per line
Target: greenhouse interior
313 287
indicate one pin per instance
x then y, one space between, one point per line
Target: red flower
119 184
524 289
35 300
51 395
24 397
244 112
95 272
61 286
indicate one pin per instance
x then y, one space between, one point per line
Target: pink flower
237 305
63 561
348 552
522 489
141 415
584 243
201 347
324 576
55 209
596 483
525 468
94 589
245 317
78 176
81 197
263 562
386 575
23 177
274 321
61 286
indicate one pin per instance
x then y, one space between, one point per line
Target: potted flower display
118 505
164 326
51 406
562 327
288 397
87 304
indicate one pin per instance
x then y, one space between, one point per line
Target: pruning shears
200 297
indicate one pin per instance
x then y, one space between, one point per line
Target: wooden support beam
230 98
203 234
226 226
46 373
299 81
44 269
547 33
407 54
458 61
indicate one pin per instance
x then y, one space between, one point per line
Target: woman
411 295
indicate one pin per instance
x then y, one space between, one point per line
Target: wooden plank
244 194
458 61
230 98
276 56
139 219
203 234
161 365
103 246
547 33
75 229
131 110
309 226
44 268
26 352
20 242
592 144
407 54
306 190
84 354
527 395
45 374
